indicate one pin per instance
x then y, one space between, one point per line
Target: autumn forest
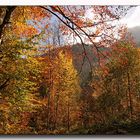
68 70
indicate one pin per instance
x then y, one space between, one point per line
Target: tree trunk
56 111
6 19
68 116
130 96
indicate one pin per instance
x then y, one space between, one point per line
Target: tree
119 87
61 100
67 87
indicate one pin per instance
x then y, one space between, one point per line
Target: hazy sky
132 19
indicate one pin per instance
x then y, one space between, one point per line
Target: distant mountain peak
135 31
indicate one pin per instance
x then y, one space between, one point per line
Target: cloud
132 18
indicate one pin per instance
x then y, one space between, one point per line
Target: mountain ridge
135 32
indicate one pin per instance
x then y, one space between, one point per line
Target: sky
132 18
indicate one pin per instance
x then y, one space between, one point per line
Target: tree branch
4 84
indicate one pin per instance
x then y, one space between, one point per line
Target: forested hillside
63 72
135 33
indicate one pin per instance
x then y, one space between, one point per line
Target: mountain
82 64
135 31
